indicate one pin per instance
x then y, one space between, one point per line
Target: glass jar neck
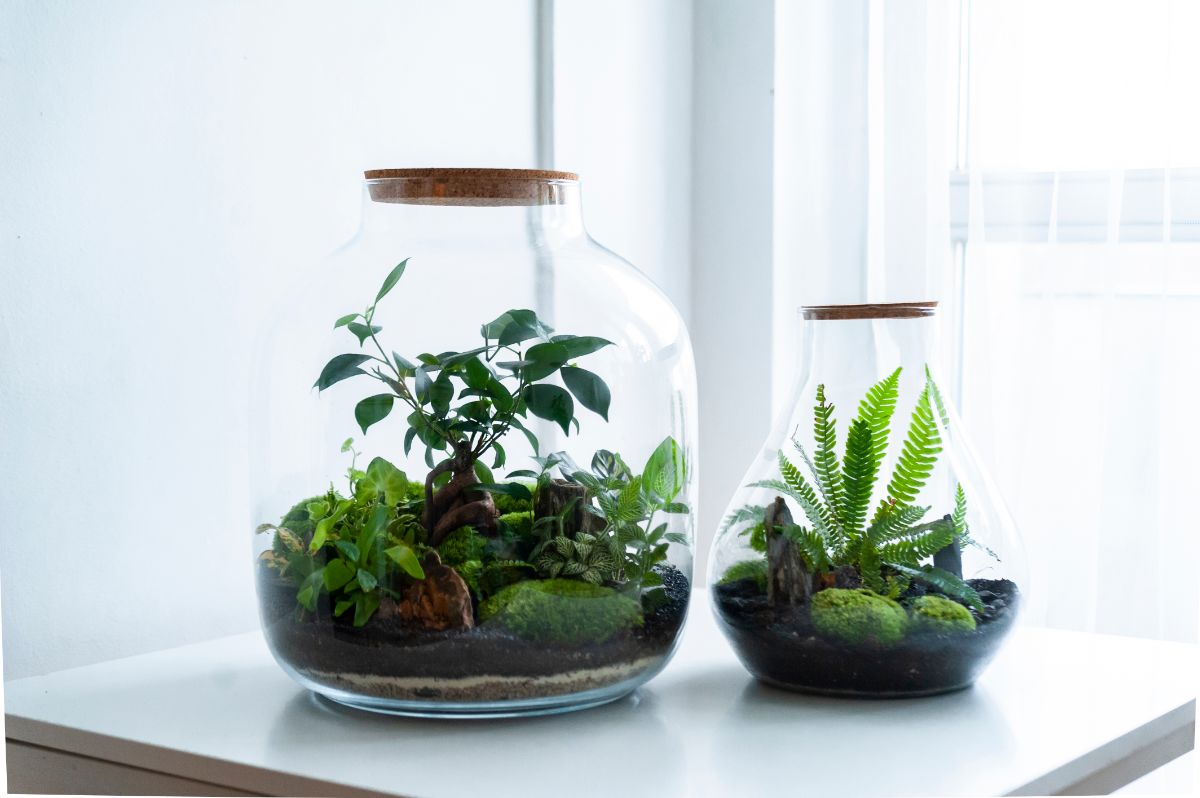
842 350
540 213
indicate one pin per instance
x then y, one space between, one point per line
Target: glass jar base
833 692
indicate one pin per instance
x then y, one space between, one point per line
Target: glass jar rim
468 186
876 310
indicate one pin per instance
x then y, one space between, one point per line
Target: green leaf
580 345
959 516
441 393
423 384
337 574
365 605
514 489
917 458
514 326
389 481
824 465
877 408
483 472
404 557
340 368
404 365
944 581
347 550
390 281
344 320
347 445
317 510
551 403
859 472
367 580
591 391
544 359
362 331
501 456
529 436
664 471
372 409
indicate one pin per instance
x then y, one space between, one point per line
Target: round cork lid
883 310
478 187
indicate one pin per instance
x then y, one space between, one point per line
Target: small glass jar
483 504
867 553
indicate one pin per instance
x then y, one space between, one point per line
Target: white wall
165 165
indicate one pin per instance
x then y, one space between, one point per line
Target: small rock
439 601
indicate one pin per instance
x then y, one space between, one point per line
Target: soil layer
485 664
779 646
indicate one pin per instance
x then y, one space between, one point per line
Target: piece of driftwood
554 497
949 558
787 579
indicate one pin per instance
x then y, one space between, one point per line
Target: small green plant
463 403
747 569
888 546
349 547
940 615
562 611
858 616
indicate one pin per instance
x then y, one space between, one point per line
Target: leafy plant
356 548
463 403
887 547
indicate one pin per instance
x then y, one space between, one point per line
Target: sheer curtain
1074 253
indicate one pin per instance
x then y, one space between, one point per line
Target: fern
824 465
858 476
944 581
811 545
937 399
742 515
916 461
915 544
877 408
892 522
959 516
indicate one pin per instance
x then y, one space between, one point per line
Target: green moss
521 522
858 616
562 611
747 569
510 504
941 615
297 519
462 545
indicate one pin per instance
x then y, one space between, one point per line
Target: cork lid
478 187
886 310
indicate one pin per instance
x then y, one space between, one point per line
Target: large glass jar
483 504
867 553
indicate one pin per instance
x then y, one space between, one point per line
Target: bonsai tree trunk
455 504
787 579
553 498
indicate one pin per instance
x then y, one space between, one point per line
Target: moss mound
297 519
521 522
858 616
462 545
747 569
562 611
510 504
941 615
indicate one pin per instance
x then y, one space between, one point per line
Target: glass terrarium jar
483 504
867 553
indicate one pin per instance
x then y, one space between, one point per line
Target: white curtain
1074 285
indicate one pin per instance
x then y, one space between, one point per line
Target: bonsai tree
461 404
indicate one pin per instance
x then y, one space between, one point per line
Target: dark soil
779 647
387 659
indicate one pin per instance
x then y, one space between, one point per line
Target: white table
1056 712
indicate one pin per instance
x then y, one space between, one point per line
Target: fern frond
915 544
877 407
744 514
919 455
943 581
811 546
824 465
869 567
892 522
859 472
959 516
936 393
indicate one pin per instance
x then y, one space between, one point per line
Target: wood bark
455 504
552 499
787 579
